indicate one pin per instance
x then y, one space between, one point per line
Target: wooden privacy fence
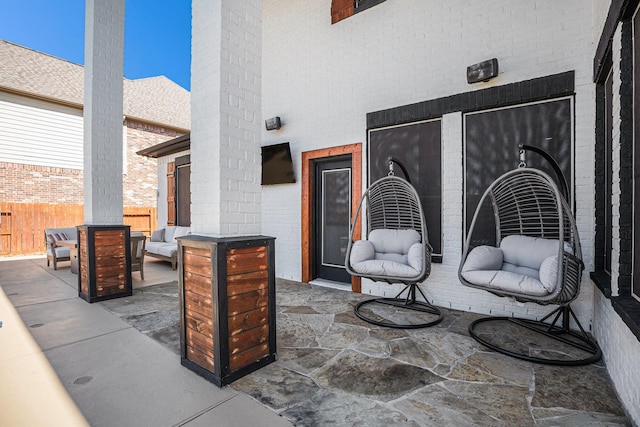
22 224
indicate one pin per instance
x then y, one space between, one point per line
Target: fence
22 224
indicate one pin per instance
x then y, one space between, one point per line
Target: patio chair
395 250
536 258
137 253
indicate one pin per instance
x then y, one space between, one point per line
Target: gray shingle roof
154 99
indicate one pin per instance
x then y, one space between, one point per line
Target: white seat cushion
522 264
506 281
380 267
62 251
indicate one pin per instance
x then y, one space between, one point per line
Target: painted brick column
103 75
226 117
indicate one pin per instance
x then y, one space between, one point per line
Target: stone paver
335 369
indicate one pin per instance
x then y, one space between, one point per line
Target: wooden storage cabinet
104 261
227 305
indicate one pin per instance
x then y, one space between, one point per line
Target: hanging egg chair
395 250
536 257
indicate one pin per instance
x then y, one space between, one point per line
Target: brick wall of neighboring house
40 184
140 183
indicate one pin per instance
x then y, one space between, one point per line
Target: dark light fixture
273 123
482 71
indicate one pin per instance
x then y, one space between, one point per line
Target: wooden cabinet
227 305
104 261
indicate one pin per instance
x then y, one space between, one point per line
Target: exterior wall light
482 71
273 123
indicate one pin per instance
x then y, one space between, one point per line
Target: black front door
331 216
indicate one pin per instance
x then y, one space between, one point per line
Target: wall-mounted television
277 165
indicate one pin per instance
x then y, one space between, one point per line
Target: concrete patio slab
125 378
57 323
36 292
239 411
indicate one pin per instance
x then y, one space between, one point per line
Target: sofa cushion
180 231
158 235
169 231
63 233
62 251
161 248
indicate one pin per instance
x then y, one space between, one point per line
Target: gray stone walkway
334 369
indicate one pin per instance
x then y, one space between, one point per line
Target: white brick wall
226 119
323 79
620 350
104 62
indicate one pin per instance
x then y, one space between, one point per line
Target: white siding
37 132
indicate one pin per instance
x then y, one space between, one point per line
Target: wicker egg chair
536 258
395 250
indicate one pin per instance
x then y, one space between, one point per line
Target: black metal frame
562 334
409 303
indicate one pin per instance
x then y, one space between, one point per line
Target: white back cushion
169 231
526 251
180 231
393 241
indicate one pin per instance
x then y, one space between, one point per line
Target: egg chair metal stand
395 250
537 258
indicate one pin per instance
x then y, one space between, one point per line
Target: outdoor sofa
162 243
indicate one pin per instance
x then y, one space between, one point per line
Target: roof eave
167 148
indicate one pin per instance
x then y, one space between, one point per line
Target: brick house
346 76
41 145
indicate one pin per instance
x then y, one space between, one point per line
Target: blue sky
157 33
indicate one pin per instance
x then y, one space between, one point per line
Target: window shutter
341 9
171 193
